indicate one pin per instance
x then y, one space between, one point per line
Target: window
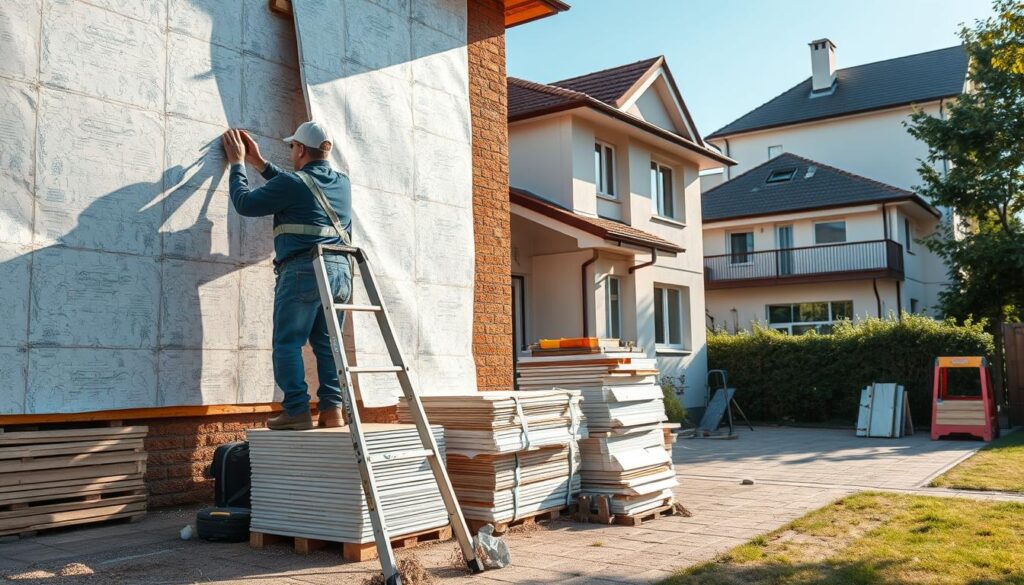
830 232
914 305
780 175
662 201
740 246
613 308
799 318
670 317
774 151
604 169
907 235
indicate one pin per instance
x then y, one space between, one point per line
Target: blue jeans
298 317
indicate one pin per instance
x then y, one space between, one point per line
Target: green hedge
813 378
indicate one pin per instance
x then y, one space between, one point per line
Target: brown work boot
330 418
287 422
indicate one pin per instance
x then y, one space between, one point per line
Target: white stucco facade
875 145
553 157
742 307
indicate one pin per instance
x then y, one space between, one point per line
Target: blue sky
730 56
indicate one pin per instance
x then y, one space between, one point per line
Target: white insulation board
128 280
390 81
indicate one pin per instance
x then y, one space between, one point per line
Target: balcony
827 262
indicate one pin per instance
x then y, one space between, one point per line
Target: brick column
488 104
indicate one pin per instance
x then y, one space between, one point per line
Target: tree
975 169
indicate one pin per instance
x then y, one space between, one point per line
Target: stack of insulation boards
50 479
511 455
625 456
306 484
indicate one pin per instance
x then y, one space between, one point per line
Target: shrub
674 409
814 377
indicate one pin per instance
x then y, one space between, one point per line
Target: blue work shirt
288 199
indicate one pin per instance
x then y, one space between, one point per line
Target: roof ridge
552 89
898 58
837 170
652 60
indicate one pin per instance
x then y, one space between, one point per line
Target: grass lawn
998 466
874 538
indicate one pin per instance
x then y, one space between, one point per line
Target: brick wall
488 102
180 449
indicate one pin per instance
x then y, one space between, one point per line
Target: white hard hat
310 134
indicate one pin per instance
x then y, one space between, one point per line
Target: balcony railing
876 258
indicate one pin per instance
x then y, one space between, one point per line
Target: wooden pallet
602 505
502 527
638 519
55 478
351 551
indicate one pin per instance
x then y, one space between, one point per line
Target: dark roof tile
609 85
813 186
903 80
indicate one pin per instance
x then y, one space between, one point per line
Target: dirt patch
410 570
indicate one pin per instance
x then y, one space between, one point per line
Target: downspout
654 258
583 288
885 223
878 299
899 303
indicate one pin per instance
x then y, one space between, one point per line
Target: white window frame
908 235
613 328
777 152
732 253
662 290
658 193
600 170
814 229
788 327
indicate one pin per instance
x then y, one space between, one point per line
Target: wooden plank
70 435
351 551
73 483
45 509
90 471
44 521
38 495
639 519
139 413
64 462
48 450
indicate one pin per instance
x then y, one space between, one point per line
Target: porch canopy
586 232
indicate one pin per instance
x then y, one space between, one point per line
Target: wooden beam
138 413
282 7
516 11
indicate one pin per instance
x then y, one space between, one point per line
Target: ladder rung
414 454
376 369
365 308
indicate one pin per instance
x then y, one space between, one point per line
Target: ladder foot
475 566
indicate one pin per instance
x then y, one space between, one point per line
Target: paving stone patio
793 470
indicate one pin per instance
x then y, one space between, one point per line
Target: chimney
823 65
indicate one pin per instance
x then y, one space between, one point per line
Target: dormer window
604 169
781 175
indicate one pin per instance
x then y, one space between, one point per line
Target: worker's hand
234 147
252 152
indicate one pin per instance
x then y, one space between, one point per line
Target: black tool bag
231 473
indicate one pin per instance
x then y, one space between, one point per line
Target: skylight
781 175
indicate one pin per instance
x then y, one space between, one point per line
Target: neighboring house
849 123
606 214
798 245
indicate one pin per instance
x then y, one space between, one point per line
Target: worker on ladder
311 206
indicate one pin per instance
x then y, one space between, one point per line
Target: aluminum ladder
345 372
